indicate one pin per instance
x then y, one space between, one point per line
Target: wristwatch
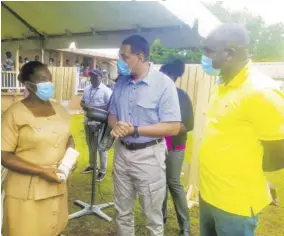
135 133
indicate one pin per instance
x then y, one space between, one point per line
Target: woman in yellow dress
35 136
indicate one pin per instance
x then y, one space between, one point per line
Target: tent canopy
100 24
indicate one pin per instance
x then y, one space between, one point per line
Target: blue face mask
122 68
207 66
45 90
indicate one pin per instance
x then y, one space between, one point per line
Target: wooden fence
199 87
64 79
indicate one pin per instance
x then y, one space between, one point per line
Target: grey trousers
102 155
141 173
174 162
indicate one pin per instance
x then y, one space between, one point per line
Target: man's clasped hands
122 129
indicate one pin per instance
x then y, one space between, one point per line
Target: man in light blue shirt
96 95
144 109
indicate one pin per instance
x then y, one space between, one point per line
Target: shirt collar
148 79
99 87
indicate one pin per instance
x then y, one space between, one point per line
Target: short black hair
174 69
28 69
138 45
9 54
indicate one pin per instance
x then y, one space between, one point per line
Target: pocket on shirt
147 112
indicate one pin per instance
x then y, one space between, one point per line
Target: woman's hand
50 175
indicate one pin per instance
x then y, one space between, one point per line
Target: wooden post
42 51
17 67
61 58
94 62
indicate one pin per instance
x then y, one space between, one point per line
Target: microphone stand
88 209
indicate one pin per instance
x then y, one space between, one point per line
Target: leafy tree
267 42
161 55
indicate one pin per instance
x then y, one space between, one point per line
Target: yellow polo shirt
241 114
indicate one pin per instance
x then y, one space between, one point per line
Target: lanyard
91 97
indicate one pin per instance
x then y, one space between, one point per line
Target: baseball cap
96 72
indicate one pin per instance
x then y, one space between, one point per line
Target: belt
137 146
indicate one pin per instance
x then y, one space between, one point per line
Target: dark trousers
215 222
174 161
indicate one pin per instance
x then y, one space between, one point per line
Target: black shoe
87 170
100 177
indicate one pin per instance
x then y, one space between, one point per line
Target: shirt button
54 213
56 145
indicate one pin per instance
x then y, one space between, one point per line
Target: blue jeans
215 222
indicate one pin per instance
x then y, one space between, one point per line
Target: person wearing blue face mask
122 68
143 110
242 138
35 137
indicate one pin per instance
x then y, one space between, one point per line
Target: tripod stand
88 209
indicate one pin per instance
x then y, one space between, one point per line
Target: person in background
77 64
96 95
144 109
36 58
26 60
67 64
87 71
243 137
51 62
176 147
105 77
9 64
35 135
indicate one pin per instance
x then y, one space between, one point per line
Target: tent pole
42 50
17 68
61 58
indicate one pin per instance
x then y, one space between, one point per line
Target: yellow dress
33 206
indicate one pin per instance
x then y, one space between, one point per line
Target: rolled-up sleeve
169 109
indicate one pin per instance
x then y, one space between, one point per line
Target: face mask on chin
207 66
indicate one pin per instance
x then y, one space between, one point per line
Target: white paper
68 162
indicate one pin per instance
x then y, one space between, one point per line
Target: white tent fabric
103 24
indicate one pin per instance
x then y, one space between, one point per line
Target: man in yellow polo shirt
244 136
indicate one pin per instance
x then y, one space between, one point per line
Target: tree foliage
267 41
161 55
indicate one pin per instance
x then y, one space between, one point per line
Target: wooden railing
9 81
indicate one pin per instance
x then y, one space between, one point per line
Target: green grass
271 220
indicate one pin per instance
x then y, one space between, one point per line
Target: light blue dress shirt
149 101
96 97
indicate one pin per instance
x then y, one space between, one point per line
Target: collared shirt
240 115
96 97
149 101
